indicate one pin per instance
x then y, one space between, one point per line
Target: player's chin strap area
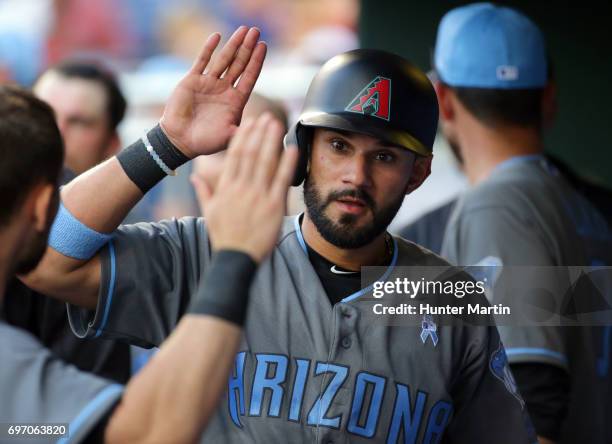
357 294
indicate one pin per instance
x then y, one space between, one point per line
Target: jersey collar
357 294
518 160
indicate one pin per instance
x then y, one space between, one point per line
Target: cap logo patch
507 72
374 99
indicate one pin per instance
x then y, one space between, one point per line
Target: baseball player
88 106
428 230
492 68
171 399
310 367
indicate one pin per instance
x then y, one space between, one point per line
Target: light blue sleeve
38 387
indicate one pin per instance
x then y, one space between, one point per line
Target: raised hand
205 108
247 207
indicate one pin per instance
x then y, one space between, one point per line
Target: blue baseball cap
486 46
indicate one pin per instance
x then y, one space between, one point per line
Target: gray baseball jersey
39 388
526 213
308 371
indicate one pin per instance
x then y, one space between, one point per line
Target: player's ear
44 200
421 169
445 101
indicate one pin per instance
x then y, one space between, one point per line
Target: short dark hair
31 148
495 107
116 103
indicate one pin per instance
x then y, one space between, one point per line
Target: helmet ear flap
301 136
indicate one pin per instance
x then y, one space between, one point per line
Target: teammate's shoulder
510 188
183 230
173 223
412 254
189 222
17 340
492 194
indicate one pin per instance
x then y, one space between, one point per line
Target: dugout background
579 39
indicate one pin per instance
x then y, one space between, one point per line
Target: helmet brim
350 123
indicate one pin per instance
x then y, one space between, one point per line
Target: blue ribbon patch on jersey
501 370
429 330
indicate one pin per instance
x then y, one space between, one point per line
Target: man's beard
33 253
345 233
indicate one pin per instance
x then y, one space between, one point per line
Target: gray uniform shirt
526 213
308 371
39 388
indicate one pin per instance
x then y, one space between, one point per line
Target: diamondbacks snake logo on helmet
374 99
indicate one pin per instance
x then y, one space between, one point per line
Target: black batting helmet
370 92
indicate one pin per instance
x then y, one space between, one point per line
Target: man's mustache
355 193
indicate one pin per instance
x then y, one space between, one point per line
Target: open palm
204 109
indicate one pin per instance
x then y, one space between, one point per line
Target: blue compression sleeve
72 238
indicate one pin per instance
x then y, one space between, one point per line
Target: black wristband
224 291
140 166
168 153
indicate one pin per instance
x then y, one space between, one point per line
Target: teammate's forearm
101 197
66 279
172 398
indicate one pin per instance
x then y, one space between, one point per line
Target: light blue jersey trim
382 278
111 289
516 160
298 232
537 352
92 407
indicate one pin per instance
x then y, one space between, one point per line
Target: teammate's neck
483 148
2 283
374 253
5 255
11 241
